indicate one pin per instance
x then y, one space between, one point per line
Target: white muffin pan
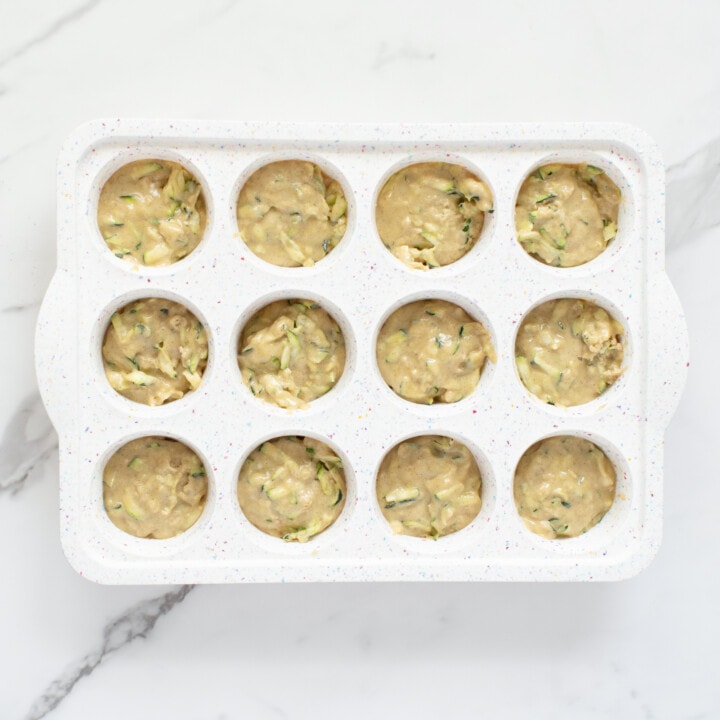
360 283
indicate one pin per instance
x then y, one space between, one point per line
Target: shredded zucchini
432 351
154 487
291 352
292 488
567 214
290 213
563 486
569 351
152 212
429 486
155 351
431 214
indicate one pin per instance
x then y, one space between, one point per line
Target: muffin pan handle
54 337
668 350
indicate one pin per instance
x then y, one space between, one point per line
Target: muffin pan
360 283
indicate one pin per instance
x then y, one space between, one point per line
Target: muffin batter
290 213
154 487
432 351
564 485
155 350
429 486
430 214
152 212
567 214
292 488
569 351
291 352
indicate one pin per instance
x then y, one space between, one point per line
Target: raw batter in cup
291 352
290 213
430 214
564 485
432 351
152 212
154 487
429 486
569 351
155 351
292 488
566 215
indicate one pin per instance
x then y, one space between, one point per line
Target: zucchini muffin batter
567 214
154 487
292 488
429 486
432 351
564 485
569 351
430 214
291 352
155 350
290 213
152 212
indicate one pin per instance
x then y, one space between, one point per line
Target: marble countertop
643 648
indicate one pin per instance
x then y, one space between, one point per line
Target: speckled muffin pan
360 283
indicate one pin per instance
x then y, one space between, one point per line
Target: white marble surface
645 648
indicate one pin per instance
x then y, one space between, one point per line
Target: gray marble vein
19 308
386 56
23 148
693 195
137 622
210 15
28 441
46 34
